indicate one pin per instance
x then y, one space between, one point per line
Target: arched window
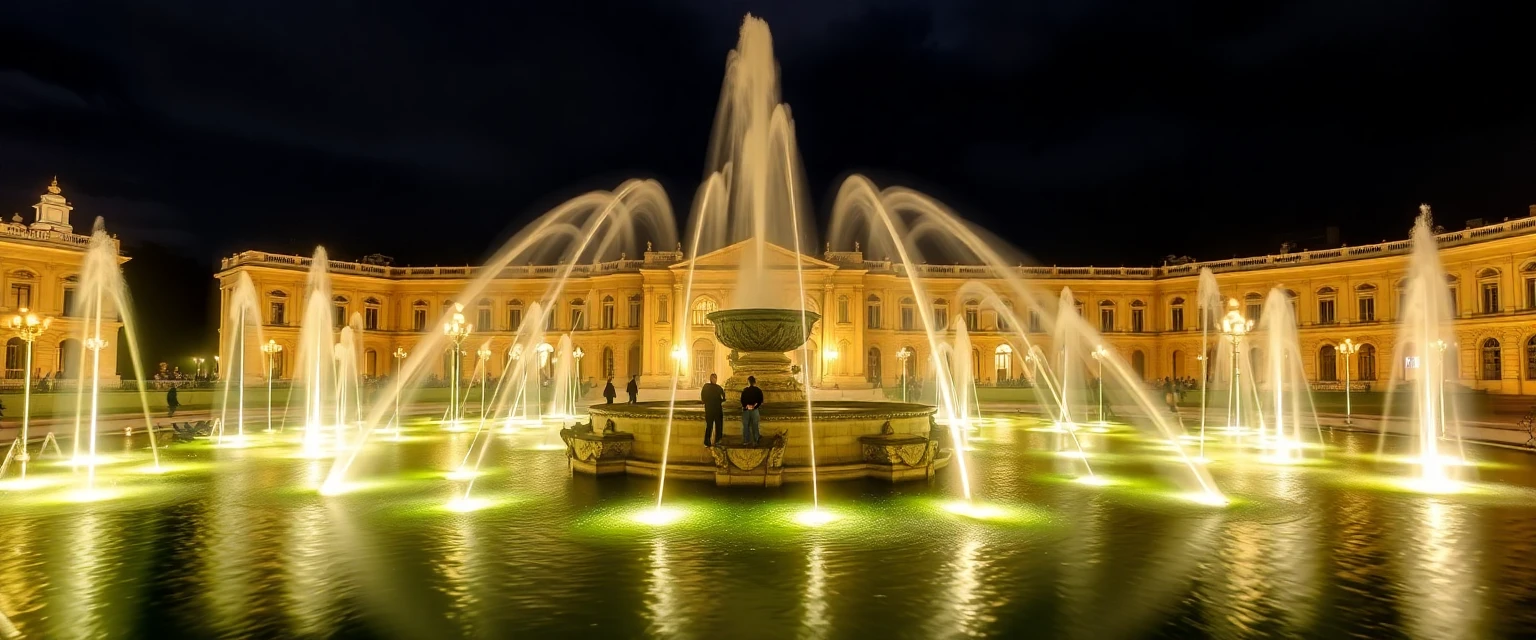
1002 362
872 366
1176 314
578 315
972 315
419 315
609 316
1491 360
872 312
1253 305
483 320
843 314
1365 303
609 370
940 314
1327 298
1488 290
515 315
1138 316
908 315
702 307
635 303
1328 364
339 311
1139 364
371 308
1106 316
1367 362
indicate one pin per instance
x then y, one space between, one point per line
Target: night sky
1088 132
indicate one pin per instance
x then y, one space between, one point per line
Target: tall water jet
1288 399
316 357
561 384
1425 330
243 313
1063 336
1208 298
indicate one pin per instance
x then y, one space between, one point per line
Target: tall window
1529 273
1365 303
663 312
1530 358
339 311
1325 305
608 368
702 307
842 310
419 315
1002 362
908 314
1366 359
277 307
21 294
872 312
1291 297
1003 314
578 315
371 363
608 313
1138 316
1106 316
1253 305
483 320
550 315
1455 298
1176 315
972 315
371 314
1034 321
1491 368
514 315
1488 285
635 302
940 314
69 301
1328 364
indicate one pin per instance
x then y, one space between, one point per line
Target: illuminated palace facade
628 316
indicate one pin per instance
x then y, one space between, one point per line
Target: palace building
40 264
629 315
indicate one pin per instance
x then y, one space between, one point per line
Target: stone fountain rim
775 312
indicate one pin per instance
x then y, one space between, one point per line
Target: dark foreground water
236 543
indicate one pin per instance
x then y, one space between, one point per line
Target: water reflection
1441 601
661 599
816 623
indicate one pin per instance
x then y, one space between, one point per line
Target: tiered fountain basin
893 441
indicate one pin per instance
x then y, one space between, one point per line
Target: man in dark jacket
170 400
751 420
633 388
608 391
714 411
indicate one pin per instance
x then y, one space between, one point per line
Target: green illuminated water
237 543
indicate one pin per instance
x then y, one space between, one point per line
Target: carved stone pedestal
597 454
759 339
759 466
899 457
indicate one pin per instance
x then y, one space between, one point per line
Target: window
1291 297
1530 358
21 295
1003 314
339 311
483 319
1366 358
635 302
608 368
15 359
1488 285
972 315
1106 316
371 314
1177 360
1139 364
1176 315
1034 321
578 315
702 307
1455 301
515 315
608 314
1002 362
1529 272
69 302
1328 364
1365 303
842 309
1078 306
1491 368
1325 305
940 314
872 366
663 313
1138 317
419 315
908 314
872 312
1253 305
371 363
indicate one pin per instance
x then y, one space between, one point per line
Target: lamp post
1347 348
1099 354
198 362
456 330
827 356
28 327
484 354
400 355
270 349
516 354
215 371
902 355
1234 326
575 385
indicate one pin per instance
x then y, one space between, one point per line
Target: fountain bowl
763 330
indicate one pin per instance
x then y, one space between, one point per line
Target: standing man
608 391
633 388
714 410
171 402
751 420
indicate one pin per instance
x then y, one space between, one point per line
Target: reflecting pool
237 541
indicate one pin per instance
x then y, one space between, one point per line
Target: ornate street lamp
827 356
902 355
1099 354
1347 349
456 330
575 384
270 349
1235 326
198 360
400 355
28 327
484 354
